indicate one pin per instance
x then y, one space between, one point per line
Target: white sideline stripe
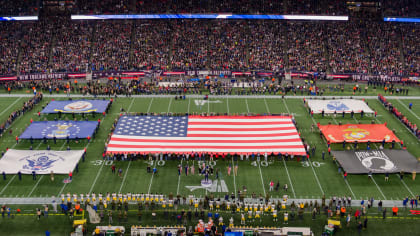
125 176
290 180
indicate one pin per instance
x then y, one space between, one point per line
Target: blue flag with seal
59 129
78 106
39 161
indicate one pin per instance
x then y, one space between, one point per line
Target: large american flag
210 134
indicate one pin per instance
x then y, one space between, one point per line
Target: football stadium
234 117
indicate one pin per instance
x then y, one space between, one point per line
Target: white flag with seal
40 161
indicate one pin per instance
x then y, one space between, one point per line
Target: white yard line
64 185
131 104
405 185
290 180
345 180
377 186
208 106
169 105
4 188
406 107
150 105
39 180
262 180
227 103
7 108
383 195
310 163
284 162
125 176
188 109
409 190
96 178
151 179
246 102
287 108
179 180
234 177
316 177
266 105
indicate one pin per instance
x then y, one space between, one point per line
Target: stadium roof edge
18 18
210 16
402 19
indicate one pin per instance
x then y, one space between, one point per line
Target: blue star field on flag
166 126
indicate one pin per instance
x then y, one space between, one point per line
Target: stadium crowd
343 47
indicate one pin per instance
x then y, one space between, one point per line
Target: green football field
305 180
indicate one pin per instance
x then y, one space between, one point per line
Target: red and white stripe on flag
220 134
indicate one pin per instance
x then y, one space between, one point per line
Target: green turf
308 181
304 180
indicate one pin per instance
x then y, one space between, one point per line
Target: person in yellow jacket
242 219
286 218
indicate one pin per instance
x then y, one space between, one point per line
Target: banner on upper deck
78 106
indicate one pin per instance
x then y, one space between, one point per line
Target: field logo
203 102
354 133
376 161
78 106
40 161
211 186
337 106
